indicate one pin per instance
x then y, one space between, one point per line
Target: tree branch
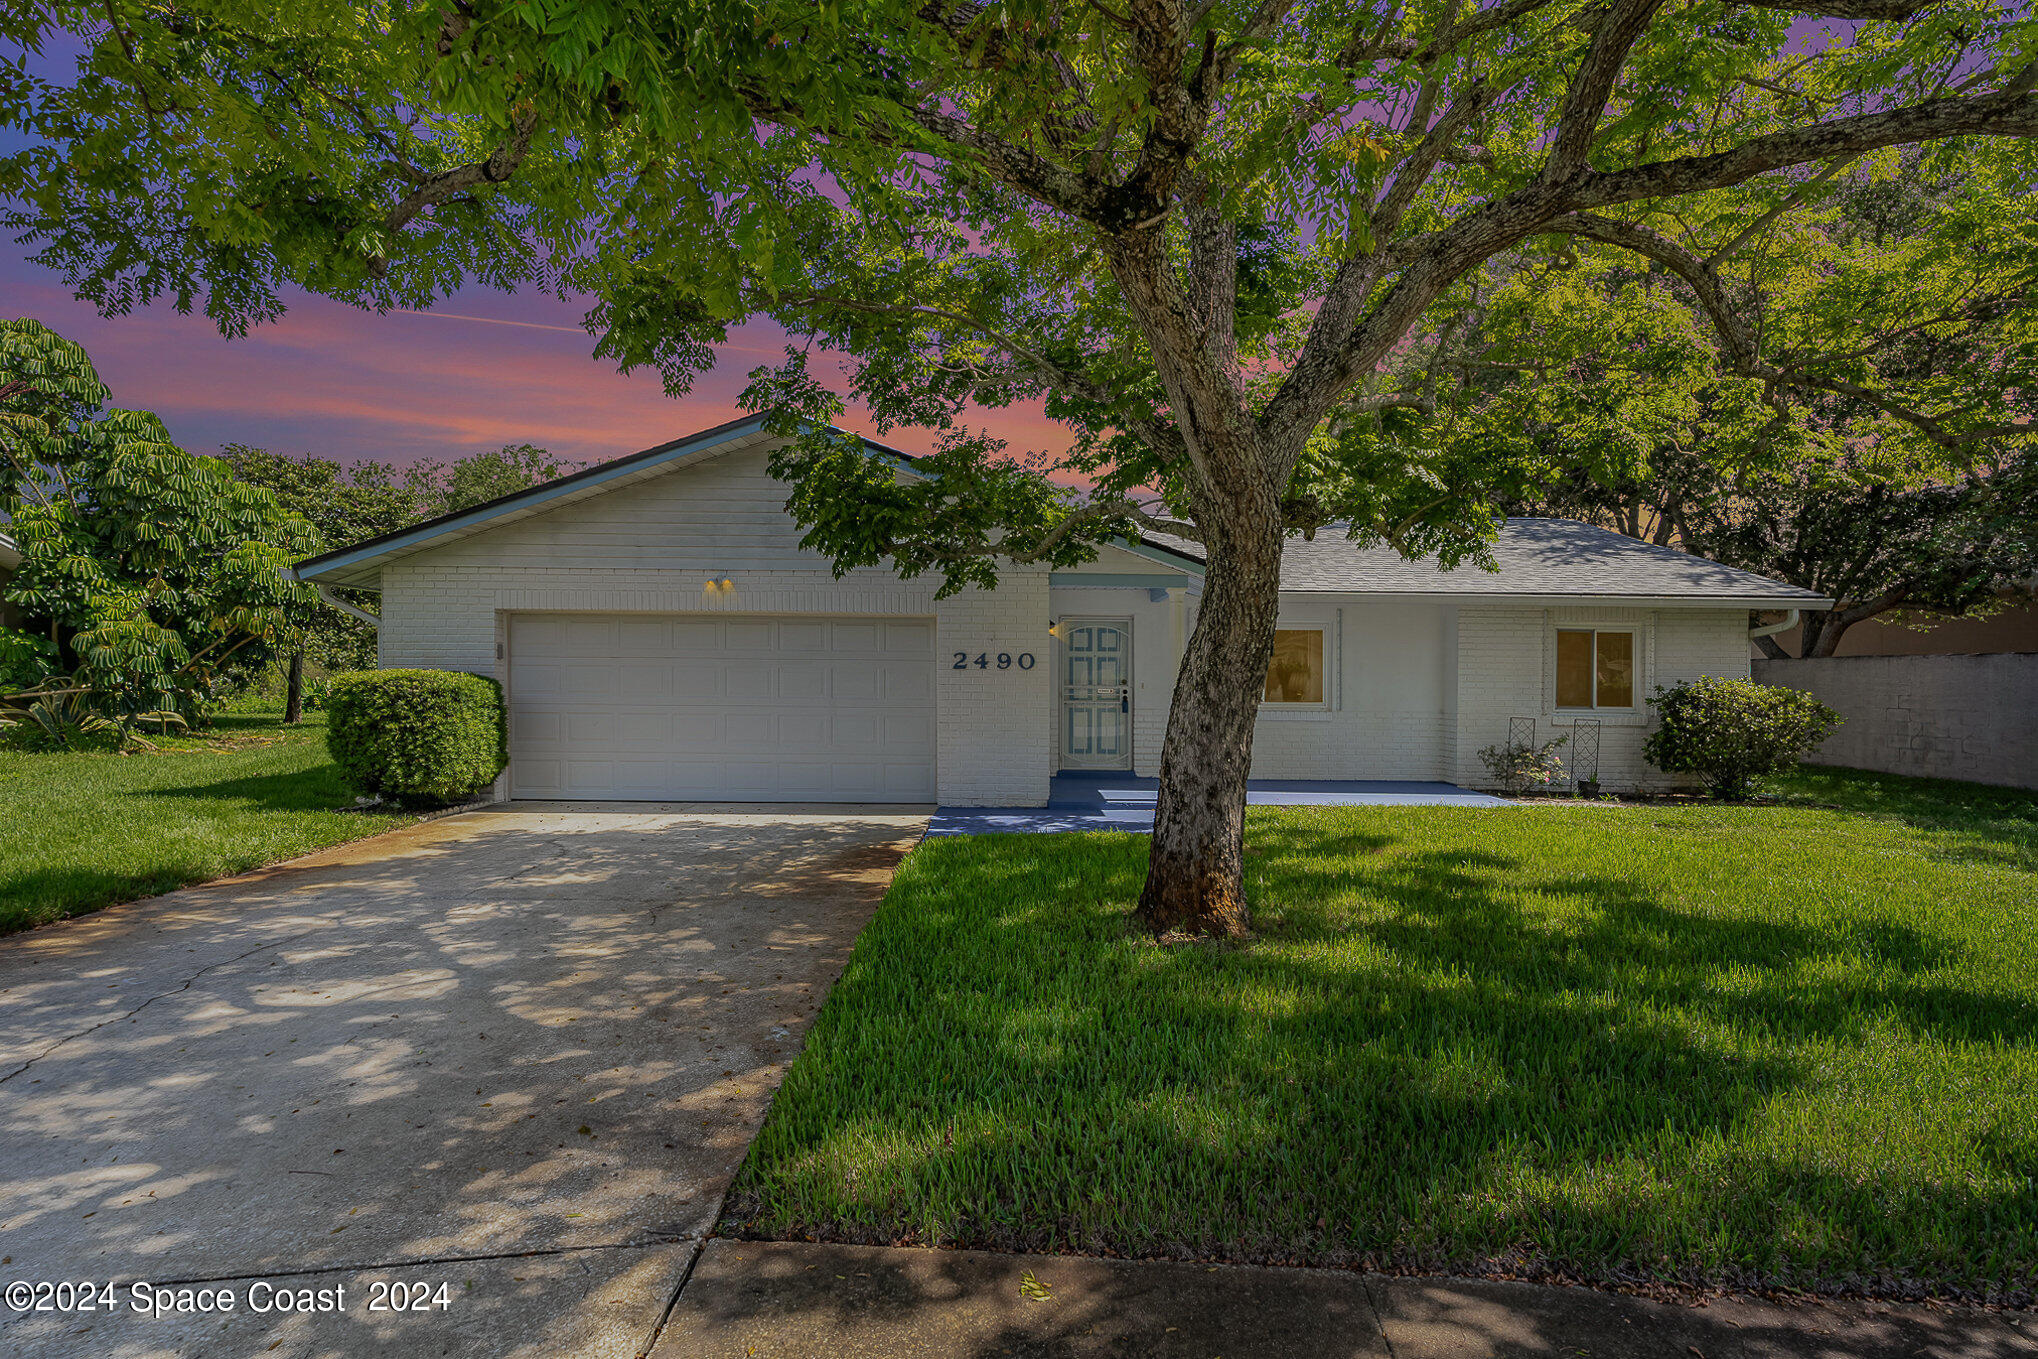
1341 347
499 166
1592 83
1738 342
1847 9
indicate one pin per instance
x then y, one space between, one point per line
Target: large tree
1202 233
148 575
1593 383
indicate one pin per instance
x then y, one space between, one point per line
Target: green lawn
81 831
1795 1044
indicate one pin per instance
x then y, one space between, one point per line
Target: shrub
1519 767
417 735
1731 732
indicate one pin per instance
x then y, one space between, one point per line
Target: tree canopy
351 502
1594 384
1206 236
147 574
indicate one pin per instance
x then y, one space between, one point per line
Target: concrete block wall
1944 717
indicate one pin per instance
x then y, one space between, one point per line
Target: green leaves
941 197
151 571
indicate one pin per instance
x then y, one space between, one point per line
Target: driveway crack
186 985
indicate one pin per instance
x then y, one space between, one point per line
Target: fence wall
1942 717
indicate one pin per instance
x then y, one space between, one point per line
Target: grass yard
82 831
1786 1045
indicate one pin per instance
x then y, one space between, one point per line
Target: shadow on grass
317 789
1414 1065
1978 821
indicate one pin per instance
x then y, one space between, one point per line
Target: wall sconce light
717 585
1053 628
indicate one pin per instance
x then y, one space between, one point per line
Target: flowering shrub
1519 767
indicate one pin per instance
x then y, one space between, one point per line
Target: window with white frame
1298 673
1596 667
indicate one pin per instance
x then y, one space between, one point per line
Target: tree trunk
1195 878
1822 632
293 700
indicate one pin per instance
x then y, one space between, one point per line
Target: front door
1096 695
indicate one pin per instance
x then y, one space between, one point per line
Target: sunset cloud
485 370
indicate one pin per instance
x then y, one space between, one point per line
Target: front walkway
1083 801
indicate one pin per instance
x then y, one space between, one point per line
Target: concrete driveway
518 1052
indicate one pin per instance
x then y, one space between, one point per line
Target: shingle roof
1536 558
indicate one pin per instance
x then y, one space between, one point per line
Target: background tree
349 503
1202 235
1598 386
147 574
345 505
438 487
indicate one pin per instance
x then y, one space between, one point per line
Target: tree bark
293 700
1195 879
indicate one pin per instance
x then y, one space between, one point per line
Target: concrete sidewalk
787 1300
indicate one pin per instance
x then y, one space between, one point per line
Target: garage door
739 708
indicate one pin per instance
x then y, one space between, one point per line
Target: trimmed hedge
417 735
1731 732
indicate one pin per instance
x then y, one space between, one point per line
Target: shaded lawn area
1778 1044
82 831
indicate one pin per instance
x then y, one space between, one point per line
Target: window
1595 669
1295 674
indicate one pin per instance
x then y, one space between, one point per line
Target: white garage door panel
685 708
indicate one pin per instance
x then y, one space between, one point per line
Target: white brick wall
652 547
991 752
1507 668
1389 687
1420 687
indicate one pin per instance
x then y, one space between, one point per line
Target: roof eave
359 565
1694 601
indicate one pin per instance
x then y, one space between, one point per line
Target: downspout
1790 617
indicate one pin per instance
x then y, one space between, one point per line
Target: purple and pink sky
481 370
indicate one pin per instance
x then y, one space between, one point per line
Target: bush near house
417 735
1731 732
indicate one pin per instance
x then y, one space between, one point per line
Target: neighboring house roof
1537 559
10 555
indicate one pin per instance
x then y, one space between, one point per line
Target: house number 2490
985 660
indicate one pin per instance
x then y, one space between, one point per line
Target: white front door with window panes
1096 695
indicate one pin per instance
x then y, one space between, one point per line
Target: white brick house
661 635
